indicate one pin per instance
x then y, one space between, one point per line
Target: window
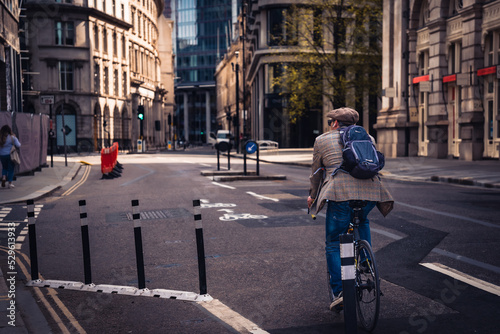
454 58
318 28
65 34
105 40
97 79
65 75
96 37
114 7
423 63
104 5
132 16
106 80
424 14
124 47
115 78
489 49
115 45
124 81
281 29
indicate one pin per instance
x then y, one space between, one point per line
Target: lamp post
237 120
243 37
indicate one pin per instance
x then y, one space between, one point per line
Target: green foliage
338 54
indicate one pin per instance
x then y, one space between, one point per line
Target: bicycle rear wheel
367 286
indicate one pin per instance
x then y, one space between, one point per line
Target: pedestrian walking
336 188
7 140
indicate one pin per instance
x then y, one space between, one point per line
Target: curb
47 190
464 181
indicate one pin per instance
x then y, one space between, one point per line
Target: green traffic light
140 116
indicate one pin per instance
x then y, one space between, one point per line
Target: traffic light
140 112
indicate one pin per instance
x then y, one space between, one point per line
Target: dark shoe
338 303
3 181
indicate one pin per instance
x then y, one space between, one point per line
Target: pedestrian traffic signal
140 112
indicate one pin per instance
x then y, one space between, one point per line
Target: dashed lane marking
262 196
223 185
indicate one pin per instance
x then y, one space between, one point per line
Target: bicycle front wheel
367 286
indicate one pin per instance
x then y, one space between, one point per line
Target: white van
224 136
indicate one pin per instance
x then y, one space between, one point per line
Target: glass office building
202 34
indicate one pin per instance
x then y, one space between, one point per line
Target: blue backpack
360 157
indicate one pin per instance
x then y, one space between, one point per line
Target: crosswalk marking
6 226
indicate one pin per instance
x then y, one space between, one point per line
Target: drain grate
150 215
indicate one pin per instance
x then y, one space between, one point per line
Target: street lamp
237 120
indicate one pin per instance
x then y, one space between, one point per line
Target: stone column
471 123
437 121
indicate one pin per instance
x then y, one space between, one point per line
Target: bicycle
367 282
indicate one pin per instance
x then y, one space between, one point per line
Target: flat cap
345 115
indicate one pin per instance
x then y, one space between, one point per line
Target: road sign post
250 148
49 100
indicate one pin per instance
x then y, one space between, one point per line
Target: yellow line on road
79 183
59 303
45 302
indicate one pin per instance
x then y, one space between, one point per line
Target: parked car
267 145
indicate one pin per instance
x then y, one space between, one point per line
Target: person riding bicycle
336 191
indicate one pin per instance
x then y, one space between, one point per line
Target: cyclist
336 190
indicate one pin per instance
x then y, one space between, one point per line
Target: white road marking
472 220
262 197
239 323
476 282
223 185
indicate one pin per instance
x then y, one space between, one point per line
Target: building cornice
63 8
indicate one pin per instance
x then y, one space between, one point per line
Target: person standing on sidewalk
336 191
7 139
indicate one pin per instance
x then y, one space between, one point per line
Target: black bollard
200 247
32 236
85 242
139 256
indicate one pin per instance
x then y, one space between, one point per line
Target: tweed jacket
327 157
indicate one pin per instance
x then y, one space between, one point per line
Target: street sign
47 99
463 79
251 147
425 86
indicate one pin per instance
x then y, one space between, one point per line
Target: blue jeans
338 217
7 167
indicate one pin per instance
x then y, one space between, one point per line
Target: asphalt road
264 254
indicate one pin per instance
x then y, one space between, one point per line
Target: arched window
424 14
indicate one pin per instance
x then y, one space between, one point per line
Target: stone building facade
270 46
441 79
100 61
10 57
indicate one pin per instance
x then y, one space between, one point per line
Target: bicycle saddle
357 204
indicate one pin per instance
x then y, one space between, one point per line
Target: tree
338 54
